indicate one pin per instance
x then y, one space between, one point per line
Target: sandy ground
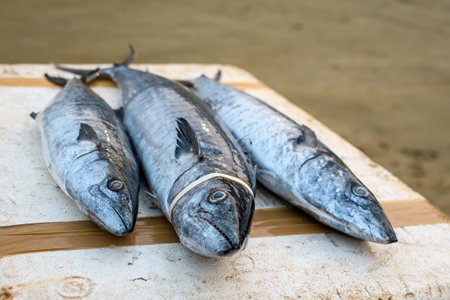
377 73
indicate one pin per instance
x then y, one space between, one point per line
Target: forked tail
86 77
86 73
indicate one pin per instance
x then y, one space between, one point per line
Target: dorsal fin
189 84
187 142
218 75
307 138
87 133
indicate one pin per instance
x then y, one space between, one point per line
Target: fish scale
296 165
199 175
85 149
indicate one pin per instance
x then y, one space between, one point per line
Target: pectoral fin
87 133
187 142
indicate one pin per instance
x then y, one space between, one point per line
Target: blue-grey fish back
294 164
90 157
158 113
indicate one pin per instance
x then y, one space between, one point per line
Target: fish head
341 201
213 219
106 196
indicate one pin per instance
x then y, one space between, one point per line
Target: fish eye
360 191
217 196
115 185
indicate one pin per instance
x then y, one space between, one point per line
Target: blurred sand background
375 72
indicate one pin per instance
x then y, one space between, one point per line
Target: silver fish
297 166
89 155
202 180
180 146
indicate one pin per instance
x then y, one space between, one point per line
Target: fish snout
385 236
335 197
120 222
114 212
210 233
205 237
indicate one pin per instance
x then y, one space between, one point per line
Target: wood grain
29 238
42 82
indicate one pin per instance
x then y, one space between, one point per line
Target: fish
89 155
197 173
294 164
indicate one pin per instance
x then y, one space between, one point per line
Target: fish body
89 155
294 164
200 177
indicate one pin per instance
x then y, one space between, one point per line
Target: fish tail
56 80
129 59
89 75
86 75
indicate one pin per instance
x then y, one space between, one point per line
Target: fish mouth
224 235
227 246
127 226
116 218
117 225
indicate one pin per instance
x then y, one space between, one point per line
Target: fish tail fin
130 58
86 76
33 115
89 75
56 80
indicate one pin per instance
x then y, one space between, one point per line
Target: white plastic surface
314 266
